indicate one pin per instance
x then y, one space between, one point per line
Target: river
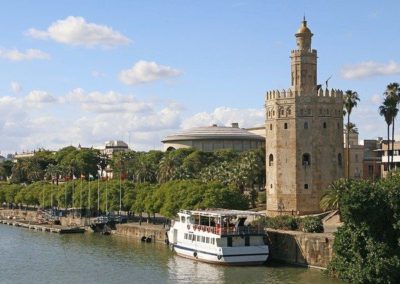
38 257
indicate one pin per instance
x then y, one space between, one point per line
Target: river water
39 257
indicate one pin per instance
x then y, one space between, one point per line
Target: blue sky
89 71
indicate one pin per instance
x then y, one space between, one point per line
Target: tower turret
303 37
304 62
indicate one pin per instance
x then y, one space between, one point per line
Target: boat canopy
221 213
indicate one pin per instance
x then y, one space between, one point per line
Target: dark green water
38 257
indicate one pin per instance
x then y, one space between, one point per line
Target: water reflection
183 270
37 257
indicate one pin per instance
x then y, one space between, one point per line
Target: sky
84 72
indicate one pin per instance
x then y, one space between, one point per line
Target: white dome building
212 138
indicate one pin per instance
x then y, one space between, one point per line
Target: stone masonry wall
308 249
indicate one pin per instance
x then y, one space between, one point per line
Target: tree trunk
348 146
392 164
388 136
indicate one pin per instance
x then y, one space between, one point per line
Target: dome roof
303 28
213 132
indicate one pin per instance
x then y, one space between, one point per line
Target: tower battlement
284 94
299 52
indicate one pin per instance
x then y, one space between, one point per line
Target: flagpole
98 193
89 194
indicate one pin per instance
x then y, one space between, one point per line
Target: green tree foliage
6 169
192 194
367 246
330 198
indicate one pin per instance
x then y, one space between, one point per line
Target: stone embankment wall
308 249
34 216
19 214
156 232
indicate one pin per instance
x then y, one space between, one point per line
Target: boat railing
231 230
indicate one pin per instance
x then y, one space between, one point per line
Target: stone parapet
305 249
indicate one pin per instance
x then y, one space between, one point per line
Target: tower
304 130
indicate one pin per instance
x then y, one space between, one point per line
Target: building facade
304 130
356 152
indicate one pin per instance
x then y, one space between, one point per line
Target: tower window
285 126
273 113
270 126
289 111
339 158
282 112
324 125
271 160
270 185
306 125
306 160
338 126
306 186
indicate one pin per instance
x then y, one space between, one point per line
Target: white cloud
29 54
110 102
145 72
76 31
369 69
37 97
88 118
226 116
15 87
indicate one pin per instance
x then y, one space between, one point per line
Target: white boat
219 236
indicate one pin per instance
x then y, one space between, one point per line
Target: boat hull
227 256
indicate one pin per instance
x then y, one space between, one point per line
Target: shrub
311 224
283 223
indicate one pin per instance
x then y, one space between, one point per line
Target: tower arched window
306 160
285 126
324 125
339 159
270 126
271 160
289 112
306 125
282 112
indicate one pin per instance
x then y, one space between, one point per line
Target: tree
387 110
349 102
393 92
6 169
104 161
367 246
330 198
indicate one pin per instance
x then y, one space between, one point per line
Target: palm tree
330 198
393 90
352 128
388 109
349 102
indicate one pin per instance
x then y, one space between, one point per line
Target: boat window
183 219
185 236
213 241
208 240
198 238
203 239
